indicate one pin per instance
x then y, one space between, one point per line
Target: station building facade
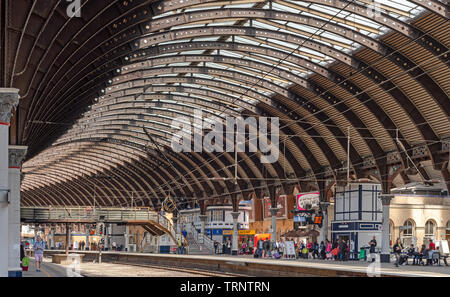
419 213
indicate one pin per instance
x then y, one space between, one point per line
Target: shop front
246 237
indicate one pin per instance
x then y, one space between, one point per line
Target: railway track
201 272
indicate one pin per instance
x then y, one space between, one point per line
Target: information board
290 248
443 246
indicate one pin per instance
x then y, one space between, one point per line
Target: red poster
281 205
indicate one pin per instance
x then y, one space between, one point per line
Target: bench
67 259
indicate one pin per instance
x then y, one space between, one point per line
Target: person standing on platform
342 250
266 246
259 247
224 248
431 249
315 249
38 252
397 251
229 246
216 245
372 245
328 249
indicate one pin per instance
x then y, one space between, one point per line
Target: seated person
419 256
441 256
412 252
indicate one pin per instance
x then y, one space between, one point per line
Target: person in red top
432 246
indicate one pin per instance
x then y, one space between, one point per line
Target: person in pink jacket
328 250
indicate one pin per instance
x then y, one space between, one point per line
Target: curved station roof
375 73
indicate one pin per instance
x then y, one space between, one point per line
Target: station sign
240 232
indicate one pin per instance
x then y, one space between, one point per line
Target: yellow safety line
48 274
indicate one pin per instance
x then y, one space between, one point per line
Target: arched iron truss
325 68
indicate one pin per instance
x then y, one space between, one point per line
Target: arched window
407 233
408 227
447 231
430 227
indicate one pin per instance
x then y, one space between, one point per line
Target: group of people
263 248
338 250
418 255
181 247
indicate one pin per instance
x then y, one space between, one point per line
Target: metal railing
74 214
200 238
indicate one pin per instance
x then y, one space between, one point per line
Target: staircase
198 243
196 248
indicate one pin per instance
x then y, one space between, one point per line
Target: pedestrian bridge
152 221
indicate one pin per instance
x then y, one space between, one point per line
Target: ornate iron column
9 99
234 246
16 157
324 231
385 243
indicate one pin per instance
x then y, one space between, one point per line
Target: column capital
16 155
235 214
273 211
386 198
9 99
324 205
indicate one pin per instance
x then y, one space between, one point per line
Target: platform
245 265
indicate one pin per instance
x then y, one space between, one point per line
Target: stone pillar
66 243
324 230
52 237
203 219
16 156
69 235
385 244
234 242
9 99
273 213
106 235
127 238
88 234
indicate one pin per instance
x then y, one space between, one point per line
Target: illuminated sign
240 232
304 199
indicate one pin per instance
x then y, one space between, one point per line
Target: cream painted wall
420 209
